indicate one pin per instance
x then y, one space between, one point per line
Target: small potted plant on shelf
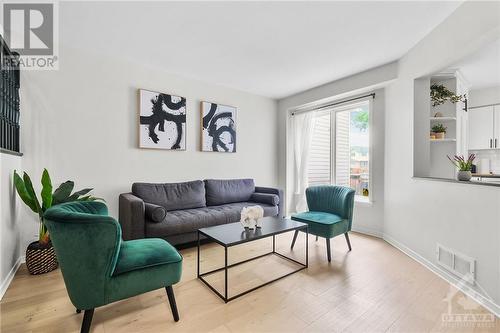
440 94
40 255
438 131
464 166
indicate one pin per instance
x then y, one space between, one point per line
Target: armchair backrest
334 199
87 242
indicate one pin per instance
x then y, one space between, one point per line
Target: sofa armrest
265 198
276 191
154 212
131 216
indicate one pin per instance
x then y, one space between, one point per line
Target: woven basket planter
41 258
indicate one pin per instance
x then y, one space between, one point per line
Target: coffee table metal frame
225 297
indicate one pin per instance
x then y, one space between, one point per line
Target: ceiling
273 49
482 69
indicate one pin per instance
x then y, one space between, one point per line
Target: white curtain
303 127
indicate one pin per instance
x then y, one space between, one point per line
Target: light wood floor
374 288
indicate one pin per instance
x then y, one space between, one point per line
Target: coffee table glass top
234 233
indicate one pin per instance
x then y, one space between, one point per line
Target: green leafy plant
440 94
26 192
361 119
439 128
461 163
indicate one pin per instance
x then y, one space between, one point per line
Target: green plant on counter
440 94
24 188
461 163
439 128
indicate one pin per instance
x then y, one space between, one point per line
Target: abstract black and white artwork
218 127
162 121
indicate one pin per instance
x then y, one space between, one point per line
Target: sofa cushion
172 196
189 220
142 253
269 210
224 191
154 212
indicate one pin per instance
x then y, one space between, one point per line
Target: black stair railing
9 98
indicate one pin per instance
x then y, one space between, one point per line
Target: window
342 158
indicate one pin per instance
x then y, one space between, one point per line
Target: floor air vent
457 263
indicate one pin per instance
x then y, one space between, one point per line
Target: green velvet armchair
98 267
330 213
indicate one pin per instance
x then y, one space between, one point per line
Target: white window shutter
319 155
342 149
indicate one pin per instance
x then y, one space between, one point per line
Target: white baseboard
451 279
8 279
367 231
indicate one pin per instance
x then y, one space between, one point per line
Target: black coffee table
232 234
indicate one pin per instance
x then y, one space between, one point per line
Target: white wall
10 222
421 213
81 123
367 218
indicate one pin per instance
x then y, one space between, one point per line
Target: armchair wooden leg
87 321
328 250
171 300
316 238
348 241
294 238
78 311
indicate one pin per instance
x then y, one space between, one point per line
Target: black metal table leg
274 243
225 274
198 256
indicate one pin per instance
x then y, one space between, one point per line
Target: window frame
333 137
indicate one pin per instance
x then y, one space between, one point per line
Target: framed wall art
218 127
162 122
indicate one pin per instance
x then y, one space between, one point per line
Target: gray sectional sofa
175 211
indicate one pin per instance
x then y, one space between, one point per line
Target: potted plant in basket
438 131
40 255
464 166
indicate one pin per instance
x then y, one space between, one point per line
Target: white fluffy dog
251 217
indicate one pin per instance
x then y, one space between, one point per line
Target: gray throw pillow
154 212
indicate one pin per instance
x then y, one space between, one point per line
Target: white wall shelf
443 118
443 140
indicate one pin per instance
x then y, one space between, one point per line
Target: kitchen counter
486 175
470 182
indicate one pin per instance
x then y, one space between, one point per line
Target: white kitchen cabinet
482 128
